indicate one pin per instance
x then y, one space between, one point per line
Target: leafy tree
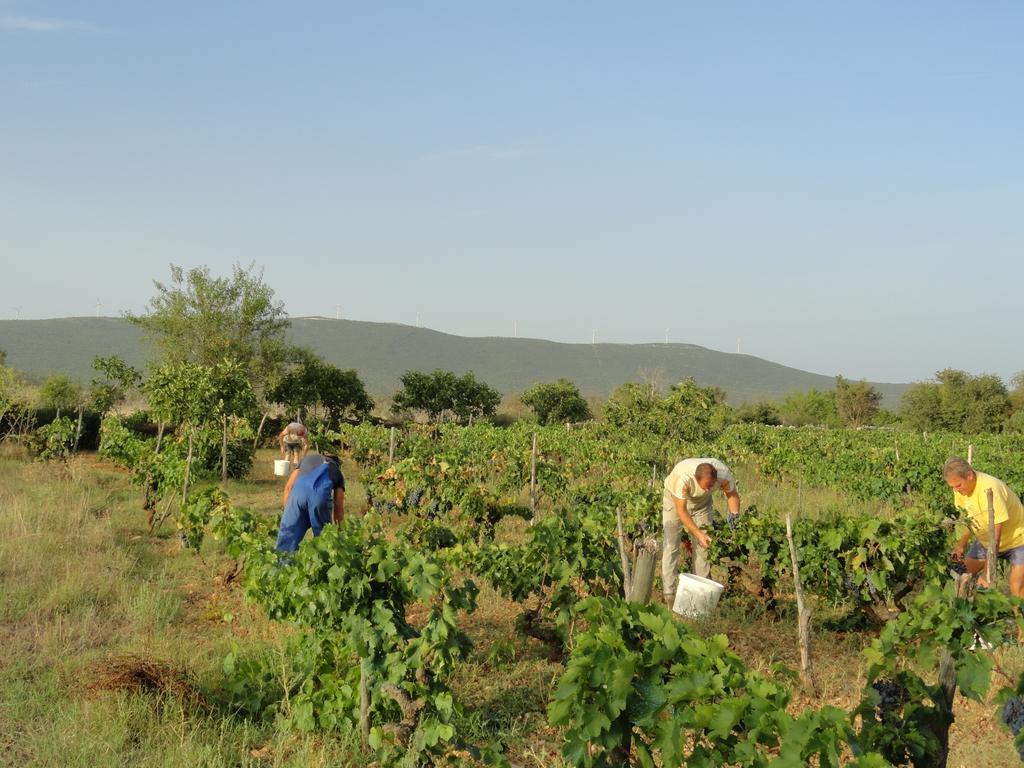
235 399
689 412
921 406
557 402
857 402
757 413
59 392
314 384
199 318
473 399
812 407
12 397
111 389
443 395
957 401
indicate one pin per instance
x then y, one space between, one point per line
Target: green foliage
940 625
810 408
957 401
565 557
12 398
857 402
867 560
314 384
642 689
202 319
557 403
757 413
182 393
116 380
60 393
57 439
442 395
688 414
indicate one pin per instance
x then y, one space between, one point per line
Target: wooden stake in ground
803 612
78 430
645 556
991 553
947 684
391 448
224 451
533 479
627 575
364 702
970 453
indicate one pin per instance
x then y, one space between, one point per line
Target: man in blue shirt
315 496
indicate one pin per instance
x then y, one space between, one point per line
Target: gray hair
956 467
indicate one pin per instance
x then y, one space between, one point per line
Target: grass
85 586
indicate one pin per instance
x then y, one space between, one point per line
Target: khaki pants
673 531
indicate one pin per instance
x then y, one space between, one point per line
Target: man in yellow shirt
969 494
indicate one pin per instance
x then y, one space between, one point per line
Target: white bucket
696 597
282 467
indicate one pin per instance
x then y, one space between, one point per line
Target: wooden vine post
627 573
391 448
803 612
970 453
533 479
364 702
639 558
990 552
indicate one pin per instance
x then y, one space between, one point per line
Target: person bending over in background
687 503
294 441
313 497
969 495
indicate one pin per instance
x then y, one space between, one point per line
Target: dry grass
136 674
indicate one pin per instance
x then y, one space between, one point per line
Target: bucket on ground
696 597
282 467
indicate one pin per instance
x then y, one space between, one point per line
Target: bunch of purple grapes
1013 716
892 695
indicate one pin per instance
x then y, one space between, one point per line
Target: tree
202 319
12 398
60 393
557 402
184 394
812 407
757 413
957 401
117 379
314 384
443 395
235 399
857 402
688 413
473 399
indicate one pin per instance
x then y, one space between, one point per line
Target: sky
836 187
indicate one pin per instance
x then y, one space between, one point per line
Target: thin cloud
38 24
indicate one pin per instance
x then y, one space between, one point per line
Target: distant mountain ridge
382 352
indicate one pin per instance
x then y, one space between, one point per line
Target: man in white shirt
688 503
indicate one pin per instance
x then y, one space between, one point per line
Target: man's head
960 476
706 476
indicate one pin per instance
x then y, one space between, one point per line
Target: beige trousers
673 531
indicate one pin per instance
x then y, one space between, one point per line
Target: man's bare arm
687 520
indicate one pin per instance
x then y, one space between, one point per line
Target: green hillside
382 352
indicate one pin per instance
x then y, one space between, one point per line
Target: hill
382 352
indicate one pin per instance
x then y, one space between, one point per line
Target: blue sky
836 187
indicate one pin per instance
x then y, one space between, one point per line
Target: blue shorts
1015 555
